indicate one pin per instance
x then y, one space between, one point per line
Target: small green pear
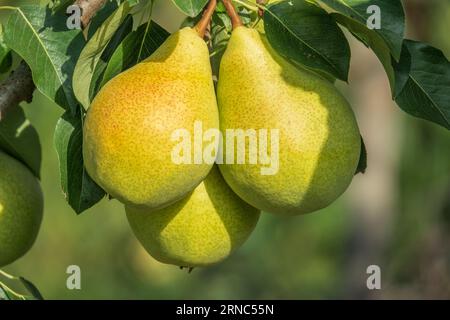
129 128
202 229
319 141
21 207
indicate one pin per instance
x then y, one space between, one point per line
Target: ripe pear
128 130
319 140
21 206
202 229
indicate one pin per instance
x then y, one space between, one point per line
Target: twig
16 88
88 9
260 10
19 85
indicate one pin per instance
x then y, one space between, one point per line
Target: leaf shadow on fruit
218 197
318 194
161 220
164 52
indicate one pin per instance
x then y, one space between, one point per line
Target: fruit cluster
196 214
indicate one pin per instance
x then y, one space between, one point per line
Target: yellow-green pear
202 229
21 206
129 131
316 153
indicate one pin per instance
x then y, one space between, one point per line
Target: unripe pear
319 142
128 132
202 229
21 207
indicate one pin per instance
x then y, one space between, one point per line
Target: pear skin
202 229
21 207
319 139
128 130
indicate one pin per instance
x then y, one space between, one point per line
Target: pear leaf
137 46
92 52
5 54
80 190
366 13
123 31
306 34
49 48
31 288
386 42
56 5
190 7
423 83
4 293
133 2
362 164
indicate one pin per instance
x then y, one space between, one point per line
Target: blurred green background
396 216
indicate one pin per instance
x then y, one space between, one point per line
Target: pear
128 131
319 141
202 229
21 207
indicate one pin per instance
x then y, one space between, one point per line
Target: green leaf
221 29
100 17
57 5
31 288
362 164
80 190
48 47
5 61
5 54
19 138
117 39
190 7
306 34
137 46
142 13
370 39
385 42
92 52
4 293
133 2
392 20
423 83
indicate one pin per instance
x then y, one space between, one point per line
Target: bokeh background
396 216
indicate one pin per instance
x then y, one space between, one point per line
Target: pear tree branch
88 9
16 88
19 85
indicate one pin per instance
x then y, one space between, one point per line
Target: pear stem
234 16
203 24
